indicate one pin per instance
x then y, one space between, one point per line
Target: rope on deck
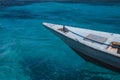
92 40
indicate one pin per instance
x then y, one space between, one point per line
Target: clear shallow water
30 52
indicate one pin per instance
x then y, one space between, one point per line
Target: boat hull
90 54
97 62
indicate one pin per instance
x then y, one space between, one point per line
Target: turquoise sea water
28 51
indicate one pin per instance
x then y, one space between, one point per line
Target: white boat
101 48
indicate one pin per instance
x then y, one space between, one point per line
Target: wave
1 26
5 49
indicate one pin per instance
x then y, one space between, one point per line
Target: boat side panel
97 62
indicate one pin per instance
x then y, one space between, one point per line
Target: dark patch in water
6 3
19 14
98 78
44 69
24 14
38 68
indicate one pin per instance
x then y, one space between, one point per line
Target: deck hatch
95 38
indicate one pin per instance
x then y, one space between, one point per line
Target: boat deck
102 37
99 38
